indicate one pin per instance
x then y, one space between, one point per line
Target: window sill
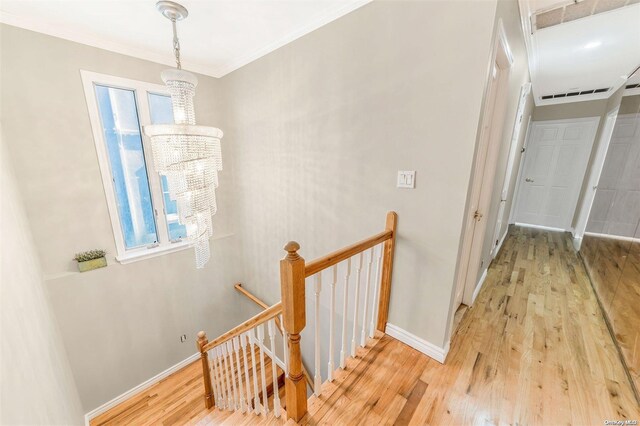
143 254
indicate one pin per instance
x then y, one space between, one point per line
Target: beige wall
570 110
120 324
508 12
36 383
630 105
322 125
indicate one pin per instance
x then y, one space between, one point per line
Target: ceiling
594 52
218 37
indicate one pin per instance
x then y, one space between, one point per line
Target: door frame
501 57
594 176
525 90
596 121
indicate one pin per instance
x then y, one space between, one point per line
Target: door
554 168
515 137
484 168
616 206
484 174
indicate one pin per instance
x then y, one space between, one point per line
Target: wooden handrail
345 253
262 317
254 299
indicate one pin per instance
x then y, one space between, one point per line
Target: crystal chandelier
188 155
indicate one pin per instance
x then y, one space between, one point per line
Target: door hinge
477 215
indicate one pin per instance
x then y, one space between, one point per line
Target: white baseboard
479 285
417 343
613 237
497 248
545 228
142 386
577 241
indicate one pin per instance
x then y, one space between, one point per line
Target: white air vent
632 86
576 93
574 9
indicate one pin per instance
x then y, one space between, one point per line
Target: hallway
533 350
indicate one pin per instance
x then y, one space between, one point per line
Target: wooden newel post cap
202 339
292 250
292 247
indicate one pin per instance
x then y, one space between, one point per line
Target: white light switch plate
406 179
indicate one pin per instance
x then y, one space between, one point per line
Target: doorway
485 164
554 168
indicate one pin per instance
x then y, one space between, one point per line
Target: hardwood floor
533 350
614 267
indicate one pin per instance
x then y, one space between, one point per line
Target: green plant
89 255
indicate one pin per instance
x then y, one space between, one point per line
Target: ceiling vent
577 93
576 9
632 86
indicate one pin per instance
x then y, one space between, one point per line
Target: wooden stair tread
316 403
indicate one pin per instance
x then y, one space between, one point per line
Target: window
143 216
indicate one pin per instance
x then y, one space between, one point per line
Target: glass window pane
162 113
121 129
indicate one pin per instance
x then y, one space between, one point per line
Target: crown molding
102 42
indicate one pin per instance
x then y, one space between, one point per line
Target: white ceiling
594 52
218 37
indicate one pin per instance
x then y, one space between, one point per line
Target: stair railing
254 299
377 249
234 365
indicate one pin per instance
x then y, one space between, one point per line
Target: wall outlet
183 338
406 179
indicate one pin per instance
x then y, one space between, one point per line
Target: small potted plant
89 260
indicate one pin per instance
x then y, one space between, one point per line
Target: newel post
293 312
206 374
387 268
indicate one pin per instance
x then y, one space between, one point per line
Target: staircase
244 369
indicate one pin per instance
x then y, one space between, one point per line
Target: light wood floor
533 350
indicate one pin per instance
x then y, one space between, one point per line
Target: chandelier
187 154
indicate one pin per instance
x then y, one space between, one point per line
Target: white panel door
554 168
616 206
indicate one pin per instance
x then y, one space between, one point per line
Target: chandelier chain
176 44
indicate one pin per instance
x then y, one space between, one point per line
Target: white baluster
216 380
236 349
236 398
284 346
332 315
317 378
265 399
357 306
244 344
374 302
344 315
256 392
223 351
223 396
363 336
274 368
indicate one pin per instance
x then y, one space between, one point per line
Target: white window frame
141 90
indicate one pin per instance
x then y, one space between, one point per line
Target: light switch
406 179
